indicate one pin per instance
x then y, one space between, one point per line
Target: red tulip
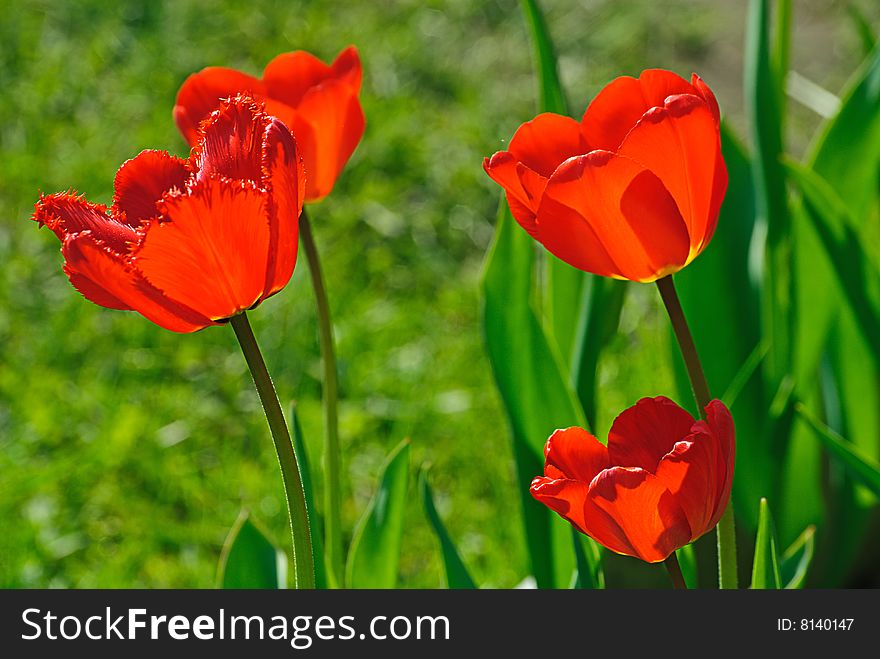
633 190
319 103
662 482
190 243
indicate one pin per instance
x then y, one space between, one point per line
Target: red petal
290 75
68 214
522 187
680 144
286 184
690 473
141 182
547 141
651 519
212 254
704 91
570 499
622 102
608 215
103 277
200 95
232 142
328 125
642 434
576 453
720 422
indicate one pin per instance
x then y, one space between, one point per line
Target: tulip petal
547 141
679 142
212 254
286 184
104 278
617 108
201 92
232 144
328 125
576 453
141 182
720 422
290 76
522 187
703 90
647 513
690 472
609 215
68 214
642 434
570 499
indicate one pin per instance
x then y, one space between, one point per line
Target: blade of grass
374 555
765 569
457 575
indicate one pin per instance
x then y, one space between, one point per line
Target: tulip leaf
601 305
765 569
457 575
862 26
550 92
249 559
315 525
535 391
860 466
588 555
763 98
845 153
687 561
796 559
374 555
854 270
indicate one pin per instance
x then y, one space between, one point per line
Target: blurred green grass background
126 451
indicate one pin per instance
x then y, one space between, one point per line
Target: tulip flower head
663 480
190 243
317 102
633 190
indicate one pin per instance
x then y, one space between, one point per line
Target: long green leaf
249 559
861 467
457 575
796 559
765 569
374 555
853 268
534 388
550 93
762 93
315 526
588 554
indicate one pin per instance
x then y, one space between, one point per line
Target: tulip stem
303 560
332 451
675 574
727 577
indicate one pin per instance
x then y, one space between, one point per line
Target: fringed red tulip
190 243
663 480
318 102
633 190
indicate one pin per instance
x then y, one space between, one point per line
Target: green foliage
765 568
374 554
249 559
457 575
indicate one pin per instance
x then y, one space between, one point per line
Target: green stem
332 452
303 561
675 574
727 577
